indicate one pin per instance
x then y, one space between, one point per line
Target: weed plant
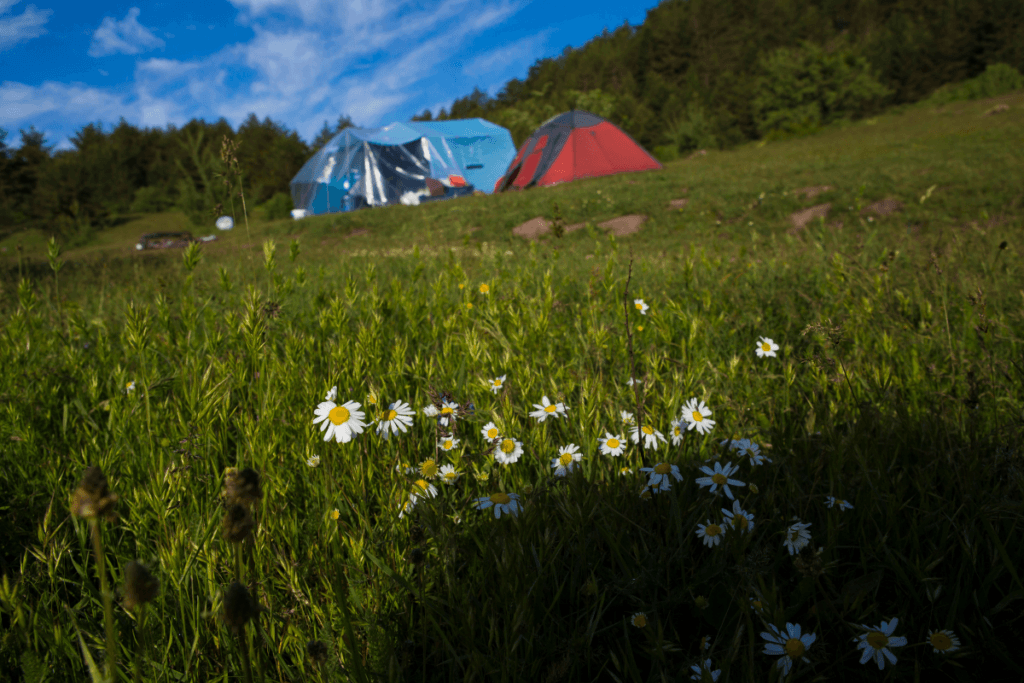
863 483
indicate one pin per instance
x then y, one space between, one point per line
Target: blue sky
66 64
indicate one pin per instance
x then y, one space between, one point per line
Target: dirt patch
624 225
997 109
533 228
357 233
698 153
538 227
836 225
678 203
800 219
883 207
812 192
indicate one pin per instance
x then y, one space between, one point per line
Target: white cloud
21 27
127 36
23 104
523 51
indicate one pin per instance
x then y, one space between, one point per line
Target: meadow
846 507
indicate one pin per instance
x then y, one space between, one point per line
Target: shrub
150 200
277 207
997 79
800 90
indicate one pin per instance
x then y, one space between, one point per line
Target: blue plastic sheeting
382 166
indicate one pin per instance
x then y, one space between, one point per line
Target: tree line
695 74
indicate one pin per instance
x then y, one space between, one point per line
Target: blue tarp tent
403 162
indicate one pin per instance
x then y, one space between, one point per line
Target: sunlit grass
890 391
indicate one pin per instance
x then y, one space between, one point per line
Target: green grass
892 390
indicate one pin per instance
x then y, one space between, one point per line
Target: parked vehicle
165 240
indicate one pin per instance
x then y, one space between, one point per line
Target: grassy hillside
897 388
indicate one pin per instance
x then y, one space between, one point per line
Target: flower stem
108 609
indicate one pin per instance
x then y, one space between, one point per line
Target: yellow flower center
612 443
676 431
757 604
428 469
940 641
450 476
564 459
765 346
718 479
639 328
640 621
492 433
550 409
712 529
697 417
500 499
390 416
448 445
469 305
794 648
461 285
646 494
740 521
335 514
422 483
647 430
446 411
508 445
338 415
663 468
639 307
878 640
484 289
496 382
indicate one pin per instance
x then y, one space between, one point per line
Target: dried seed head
242 487
238 523
316 650
140 586
238 606
92 498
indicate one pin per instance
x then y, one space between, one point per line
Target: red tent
573 145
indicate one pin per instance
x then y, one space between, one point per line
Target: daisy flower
428 468
705 643
397 416
335 514
429 411
660 474
639 620
340 422
568 456
408 505
422 487
508 451
313 460
641 306
719 477
332 394
631 382
507 503
766 347
627 417
832 501
490 431
497 383
547 409
449 474
753 451
612 444
797 538
651 436
739 518
788 646
699 675
625 471
943 642
696 416
130 387
757 605
449 411
448 443
677 432
877 642
711 533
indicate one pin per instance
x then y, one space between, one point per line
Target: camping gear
164 240
404 162
574 145
225 223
